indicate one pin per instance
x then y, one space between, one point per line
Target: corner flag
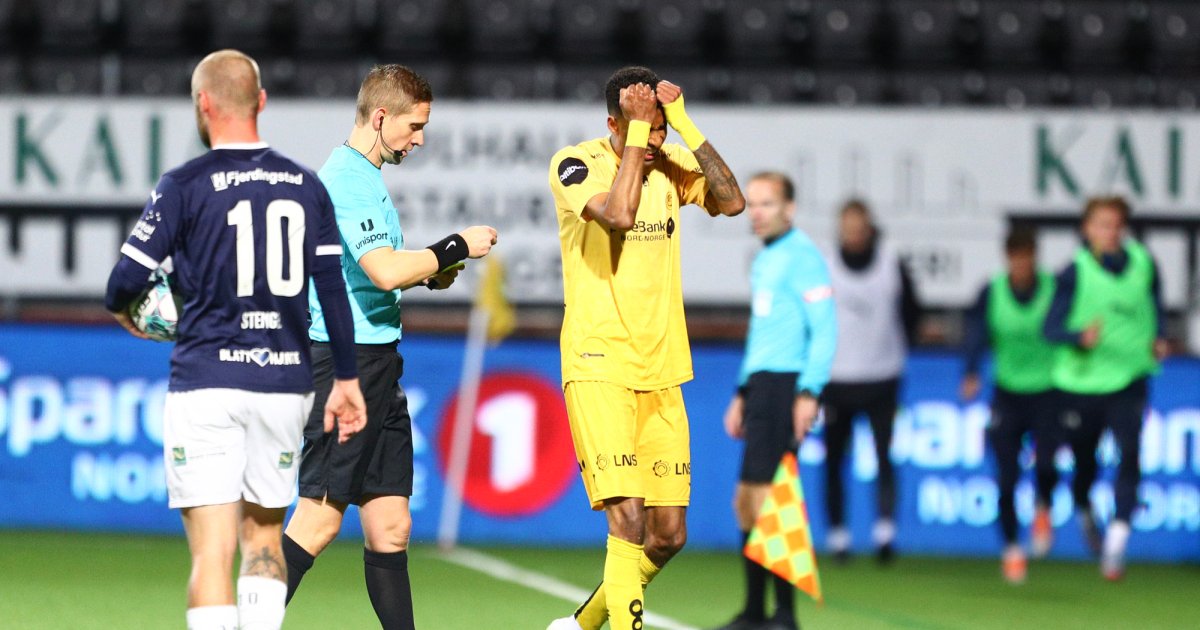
781 539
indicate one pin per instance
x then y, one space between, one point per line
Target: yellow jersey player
624 342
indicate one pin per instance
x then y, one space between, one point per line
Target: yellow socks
594 612
622 585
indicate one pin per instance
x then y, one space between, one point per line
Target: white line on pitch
501 570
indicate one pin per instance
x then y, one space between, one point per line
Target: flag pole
464 419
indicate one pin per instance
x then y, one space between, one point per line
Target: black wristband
450 250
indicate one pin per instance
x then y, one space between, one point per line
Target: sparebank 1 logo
111 430
521 458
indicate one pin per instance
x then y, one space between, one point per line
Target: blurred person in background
235 411
1107 319
1009 316
878 314
375 470
625 348
789 351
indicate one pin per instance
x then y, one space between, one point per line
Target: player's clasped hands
346 407
638 102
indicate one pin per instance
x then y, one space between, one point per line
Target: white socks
884 532
838 539
260 602
213 618
1116 538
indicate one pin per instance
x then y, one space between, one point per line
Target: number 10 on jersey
243 219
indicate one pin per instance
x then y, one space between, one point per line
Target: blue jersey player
245 228
789 353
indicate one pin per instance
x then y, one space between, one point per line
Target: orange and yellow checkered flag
781 539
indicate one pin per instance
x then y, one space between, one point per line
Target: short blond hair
394 87
231 79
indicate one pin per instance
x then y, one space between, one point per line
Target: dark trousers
843 402
1084 418
1013 417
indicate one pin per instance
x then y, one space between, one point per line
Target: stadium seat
583 83
9 19
583 29
442 78
66 75
507 82
1020 91
328 78
69 24
1178 93
154 24
1109 92
1096 32
506 28
771 85
12 80
1174 32
411 26
327 26
1011 32
154 76
845 31
925 31
851 88
760 29
699 83
936 89
672 29
242 24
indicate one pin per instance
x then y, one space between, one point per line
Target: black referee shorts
379 459
767 427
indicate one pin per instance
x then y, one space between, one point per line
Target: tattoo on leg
263 563
721 182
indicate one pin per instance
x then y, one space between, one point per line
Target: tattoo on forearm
263 563
721 182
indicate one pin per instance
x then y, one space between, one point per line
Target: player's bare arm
724 195
391 269
617 209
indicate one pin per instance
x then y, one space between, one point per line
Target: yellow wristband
690 134
638 134
679 120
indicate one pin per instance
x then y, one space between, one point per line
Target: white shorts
225 445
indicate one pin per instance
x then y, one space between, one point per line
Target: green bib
1125 308
1024 359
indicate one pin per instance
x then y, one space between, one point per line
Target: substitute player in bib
789 351
375 470
1107 318
1009 316
624 342
245 228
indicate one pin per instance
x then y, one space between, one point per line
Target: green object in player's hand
460 265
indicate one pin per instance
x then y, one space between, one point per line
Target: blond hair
393 87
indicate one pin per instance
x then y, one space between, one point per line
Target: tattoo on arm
721 183
263 563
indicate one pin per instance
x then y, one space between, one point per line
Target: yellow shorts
630 443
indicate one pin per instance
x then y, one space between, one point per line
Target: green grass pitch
81 581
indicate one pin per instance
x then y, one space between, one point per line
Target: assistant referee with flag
789 352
